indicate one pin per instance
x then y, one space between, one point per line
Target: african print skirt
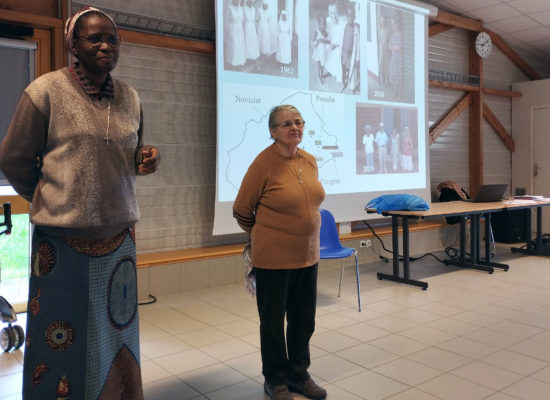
82 319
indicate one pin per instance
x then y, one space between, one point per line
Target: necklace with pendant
298 173
106 138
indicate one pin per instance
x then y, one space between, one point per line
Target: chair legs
357 279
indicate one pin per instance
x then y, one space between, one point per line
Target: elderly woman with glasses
73 149
278 206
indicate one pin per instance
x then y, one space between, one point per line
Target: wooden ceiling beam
437 28
501 93
453 86
167 42
499 129
439 127
513 56
454 20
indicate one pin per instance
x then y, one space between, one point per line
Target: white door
540 167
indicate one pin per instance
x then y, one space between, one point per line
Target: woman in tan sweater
278 206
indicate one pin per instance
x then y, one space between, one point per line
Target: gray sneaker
278 392
308 388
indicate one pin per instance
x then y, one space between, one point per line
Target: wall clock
483 44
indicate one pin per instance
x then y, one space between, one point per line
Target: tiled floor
470 336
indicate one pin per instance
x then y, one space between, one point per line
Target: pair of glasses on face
96 40
298 123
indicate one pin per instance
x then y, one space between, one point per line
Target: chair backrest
329 232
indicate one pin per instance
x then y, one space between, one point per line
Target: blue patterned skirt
82 319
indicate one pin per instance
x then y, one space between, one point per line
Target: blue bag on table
400 202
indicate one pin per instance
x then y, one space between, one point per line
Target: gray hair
279 109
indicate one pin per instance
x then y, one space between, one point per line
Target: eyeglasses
96 40
288 124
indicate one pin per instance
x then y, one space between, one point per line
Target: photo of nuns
334 33
386 139
391 74
260 37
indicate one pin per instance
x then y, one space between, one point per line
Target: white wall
534 93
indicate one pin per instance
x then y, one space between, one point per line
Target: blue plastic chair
331 248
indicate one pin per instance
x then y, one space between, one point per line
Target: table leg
406 262
534 247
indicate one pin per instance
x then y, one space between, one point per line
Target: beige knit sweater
280 214
54 155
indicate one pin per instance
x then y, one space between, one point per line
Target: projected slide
355 70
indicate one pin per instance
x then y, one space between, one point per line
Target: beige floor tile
487 375
247 390
11 384
337 393
333 321
493 338
529 389
515 362
532 348
228 349
370 385
542 375
331 368
412 394
203 337
417 316
397 344
426 335
333 341
240 327
151 371
439 359
450 387
168 389
9 364
476 318
163 346
249 365
501 396
406 371
185 361
452 326
392 324
212 378
523 331
363 332
468 348
367 356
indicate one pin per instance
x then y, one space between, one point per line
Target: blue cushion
401 202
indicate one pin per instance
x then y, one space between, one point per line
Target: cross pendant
106 140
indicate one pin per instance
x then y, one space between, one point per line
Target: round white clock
483 44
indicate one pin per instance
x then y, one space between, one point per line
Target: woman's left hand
150 159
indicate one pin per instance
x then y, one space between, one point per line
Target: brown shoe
308 388
278 392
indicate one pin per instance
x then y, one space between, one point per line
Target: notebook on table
489 193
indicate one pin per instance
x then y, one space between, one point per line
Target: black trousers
290 292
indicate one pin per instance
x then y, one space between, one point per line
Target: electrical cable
153 300
386 259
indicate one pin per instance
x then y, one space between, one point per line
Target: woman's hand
150 159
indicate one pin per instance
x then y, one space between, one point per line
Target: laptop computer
489 193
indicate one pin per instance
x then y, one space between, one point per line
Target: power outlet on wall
366 243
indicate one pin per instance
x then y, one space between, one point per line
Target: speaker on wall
509 226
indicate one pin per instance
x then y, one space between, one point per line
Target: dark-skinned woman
278 206
73 149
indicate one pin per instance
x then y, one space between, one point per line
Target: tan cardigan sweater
54 155
280 214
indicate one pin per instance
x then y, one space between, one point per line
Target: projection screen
356 70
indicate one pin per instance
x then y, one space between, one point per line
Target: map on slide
249 135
